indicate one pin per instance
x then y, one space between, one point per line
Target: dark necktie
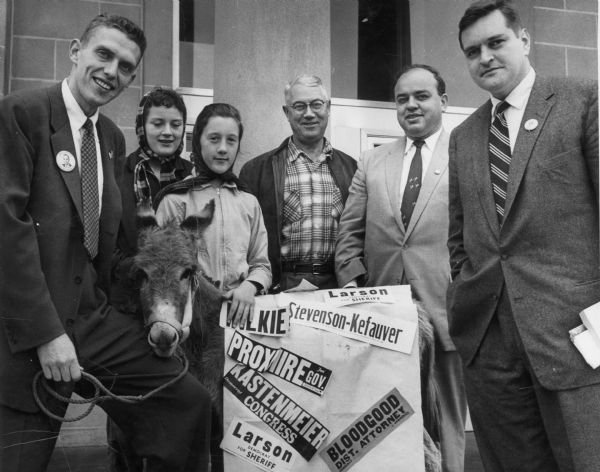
500 156
89 189
413 184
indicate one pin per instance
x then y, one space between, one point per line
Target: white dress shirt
409 153
76 120
517 99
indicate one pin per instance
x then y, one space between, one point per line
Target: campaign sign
258 447
350 296
252 353
267 320
300 371
368 430
288 419
371 327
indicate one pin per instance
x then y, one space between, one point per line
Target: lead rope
97 398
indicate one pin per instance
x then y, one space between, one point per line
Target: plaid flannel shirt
311 209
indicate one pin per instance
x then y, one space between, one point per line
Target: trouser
519 425
122 458
448 374
171 429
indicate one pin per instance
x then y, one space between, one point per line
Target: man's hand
59 360
242 304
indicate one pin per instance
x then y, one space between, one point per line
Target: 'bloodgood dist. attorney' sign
373 328
366 431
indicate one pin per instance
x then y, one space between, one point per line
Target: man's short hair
483 8
303 79
441 84
125 25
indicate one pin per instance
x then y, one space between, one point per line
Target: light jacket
233 247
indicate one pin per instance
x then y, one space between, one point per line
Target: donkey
178 302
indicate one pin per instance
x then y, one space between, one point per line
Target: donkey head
165 268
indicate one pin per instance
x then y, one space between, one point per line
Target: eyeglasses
315 105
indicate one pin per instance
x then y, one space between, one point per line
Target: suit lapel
538 107
62 140
477 152
431 178
393 173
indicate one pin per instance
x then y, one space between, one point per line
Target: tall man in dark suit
391 234
59 212
523 243
302 187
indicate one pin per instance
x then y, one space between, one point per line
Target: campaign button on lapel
65 161
531 124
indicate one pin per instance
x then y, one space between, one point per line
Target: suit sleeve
28 315
455 229
350 244
590 145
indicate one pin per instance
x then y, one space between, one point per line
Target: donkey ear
144 215
200 221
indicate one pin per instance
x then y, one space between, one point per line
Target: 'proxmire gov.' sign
373 328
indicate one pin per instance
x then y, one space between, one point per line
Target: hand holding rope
97 397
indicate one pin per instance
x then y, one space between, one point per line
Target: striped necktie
500 156
89 189
413 184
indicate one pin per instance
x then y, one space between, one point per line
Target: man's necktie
89 189
413 184
500 156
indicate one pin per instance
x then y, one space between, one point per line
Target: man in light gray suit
393 231
523 177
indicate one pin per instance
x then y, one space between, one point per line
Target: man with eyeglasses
302 187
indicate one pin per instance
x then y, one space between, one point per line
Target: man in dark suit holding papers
524 254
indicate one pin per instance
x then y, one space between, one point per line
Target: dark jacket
43 262
265 177
545 254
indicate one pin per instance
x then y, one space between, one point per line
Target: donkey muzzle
166 332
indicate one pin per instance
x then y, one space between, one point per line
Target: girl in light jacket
232 250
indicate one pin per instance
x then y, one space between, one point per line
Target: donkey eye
140 275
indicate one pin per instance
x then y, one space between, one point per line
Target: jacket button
70 322
504 257
78 280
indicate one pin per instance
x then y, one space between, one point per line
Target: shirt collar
76 115
518 97
430 141
294 152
